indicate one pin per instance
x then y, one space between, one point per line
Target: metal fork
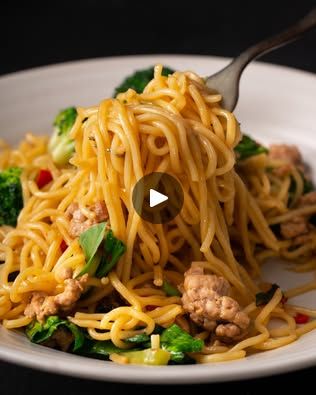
226 81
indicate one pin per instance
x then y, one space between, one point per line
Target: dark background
68 30
71 30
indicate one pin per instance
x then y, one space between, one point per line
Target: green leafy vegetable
169 289
136 355
102 250
148 357
175 343
248 147
39 333
113 249
102 348
307 187
263 298
90 241
78 335
141 338
11 202
60 145
91 266
158 330
178 342
139 79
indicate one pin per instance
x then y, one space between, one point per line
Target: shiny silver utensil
226 81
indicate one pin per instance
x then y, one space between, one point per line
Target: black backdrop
70 30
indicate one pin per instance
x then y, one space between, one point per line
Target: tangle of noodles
175 126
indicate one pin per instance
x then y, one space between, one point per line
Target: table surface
77 30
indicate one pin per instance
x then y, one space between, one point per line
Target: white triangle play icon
156 198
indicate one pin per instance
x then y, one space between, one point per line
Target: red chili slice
301 318
44 177
63 246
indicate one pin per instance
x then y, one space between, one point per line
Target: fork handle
292 33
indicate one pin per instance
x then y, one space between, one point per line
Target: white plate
276 104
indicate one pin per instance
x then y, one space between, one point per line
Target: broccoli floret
11 202
139 79
248 147
61 146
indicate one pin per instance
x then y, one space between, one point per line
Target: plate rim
160 375
73 63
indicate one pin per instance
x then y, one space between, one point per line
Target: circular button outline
165 184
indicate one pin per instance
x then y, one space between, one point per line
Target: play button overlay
158 198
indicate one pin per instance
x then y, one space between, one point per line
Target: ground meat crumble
79 222
205 298
42 305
